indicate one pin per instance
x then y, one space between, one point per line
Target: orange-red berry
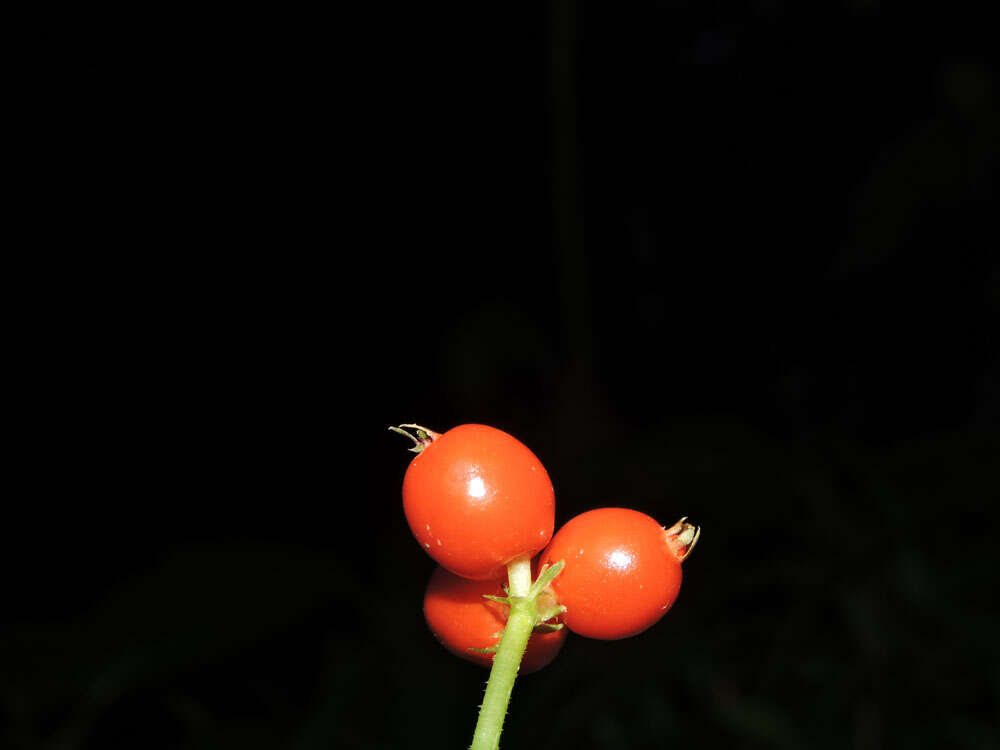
476 498
623 571
461 618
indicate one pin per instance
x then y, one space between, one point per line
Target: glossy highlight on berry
622 573
476 498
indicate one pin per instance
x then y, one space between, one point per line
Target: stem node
521 621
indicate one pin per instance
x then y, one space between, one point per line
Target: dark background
726 260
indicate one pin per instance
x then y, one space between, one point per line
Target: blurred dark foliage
735 261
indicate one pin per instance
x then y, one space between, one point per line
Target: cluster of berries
481 504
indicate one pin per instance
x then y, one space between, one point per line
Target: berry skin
623 571
475 498
460 618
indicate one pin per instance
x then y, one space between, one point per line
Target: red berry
461 618
623 571
476 498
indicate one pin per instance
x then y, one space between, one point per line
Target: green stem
520 623
521 620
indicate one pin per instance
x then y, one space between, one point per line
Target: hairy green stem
521 620
520 623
